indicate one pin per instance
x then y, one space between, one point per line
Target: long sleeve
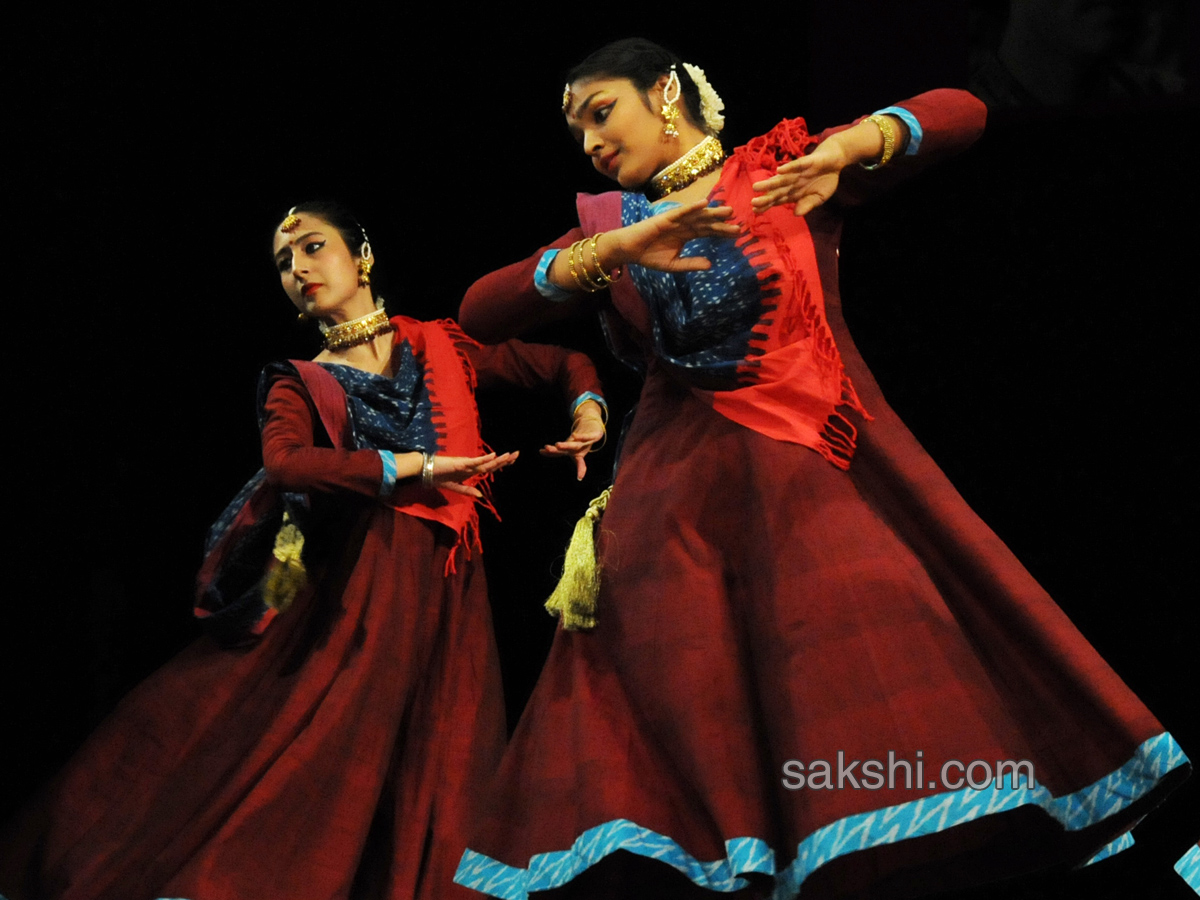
533 365
951 121
294 462
505 303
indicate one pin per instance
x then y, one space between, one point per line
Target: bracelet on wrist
577 262
888 130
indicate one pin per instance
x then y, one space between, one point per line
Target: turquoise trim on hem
1124 842
1152 760
1188 868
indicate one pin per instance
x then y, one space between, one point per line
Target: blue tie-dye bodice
702 320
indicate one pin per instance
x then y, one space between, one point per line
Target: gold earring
364 272
670 109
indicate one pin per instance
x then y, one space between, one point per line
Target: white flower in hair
711 103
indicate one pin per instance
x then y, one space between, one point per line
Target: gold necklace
357 331
705 157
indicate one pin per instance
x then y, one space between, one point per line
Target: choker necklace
705 157
357 331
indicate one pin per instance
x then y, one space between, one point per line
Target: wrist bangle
603 440
603 425
888 130
604 277
589 281
426 469
580 415
593 283
571 262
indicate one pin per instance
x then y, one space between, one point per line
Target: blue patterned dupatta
253 565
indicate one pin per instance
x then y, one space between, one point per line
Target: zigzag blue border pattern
1124 842
1153 759
1188 868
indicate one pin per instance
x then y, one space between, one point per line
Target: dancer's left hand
586 432
807 182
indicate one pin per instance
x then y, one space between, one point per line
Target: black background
1029 309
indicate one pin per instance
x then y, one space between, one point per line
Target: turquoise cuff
588 395
388 482
914 127
542 282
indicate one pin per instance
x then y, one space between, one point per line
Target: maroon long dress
804 634
341 756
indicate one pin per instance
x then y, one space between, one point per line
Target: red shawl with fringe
792 381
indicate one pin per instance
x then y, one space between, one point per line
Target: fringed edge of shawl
468 537
786 141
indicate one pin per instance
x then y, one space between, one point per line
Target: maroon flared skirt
339 757
775 637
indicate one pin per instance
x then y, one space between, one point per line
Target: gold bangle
591 283
604 276
571 263
888 131
603 423
603 440
596 259
585 280
594 283
603 413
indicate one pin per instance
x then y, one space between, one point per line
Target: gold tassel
574 600
286 575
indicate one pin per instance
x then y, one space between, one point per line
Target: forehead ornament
290 222
566 98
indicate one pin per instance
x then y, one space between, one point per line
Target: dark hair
642 62
339 217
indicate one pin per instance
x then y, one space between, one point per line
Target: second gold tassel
574 600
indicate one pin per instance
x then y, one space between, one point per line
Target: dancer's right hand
452 472
657 241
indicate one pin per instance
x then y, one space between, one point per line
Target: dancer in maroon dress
332 743
804 638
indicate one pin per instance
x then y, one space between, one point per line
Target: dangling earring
670 111
364 265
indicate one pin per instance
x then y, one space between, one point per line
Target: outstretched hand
807 182
452 472
586 433
656 242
